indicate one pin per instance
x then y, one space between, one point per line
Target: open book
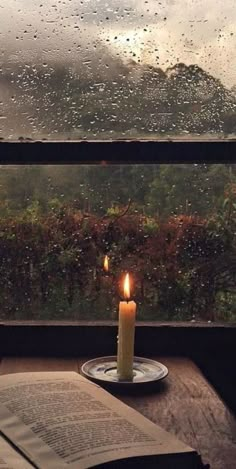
56 420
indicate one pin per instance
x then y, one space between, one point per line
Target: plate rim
124 383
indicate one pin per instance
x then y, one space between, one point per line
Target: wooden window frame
117 152
89 338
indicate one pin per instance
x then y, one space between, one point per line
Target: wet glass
136 69
171 226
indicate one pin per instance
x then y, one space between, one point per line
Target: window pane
98 69
171 226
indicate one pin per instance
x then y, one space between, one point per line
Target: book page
60 419
10 459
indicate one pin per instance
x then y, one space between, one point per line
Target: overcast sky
150 31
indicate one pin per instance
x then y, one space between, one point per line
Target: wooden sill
184 404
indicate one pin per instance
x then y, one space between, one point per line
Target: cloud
152 31
182 30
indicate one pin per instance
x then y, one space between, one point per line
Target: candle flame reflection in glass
106 264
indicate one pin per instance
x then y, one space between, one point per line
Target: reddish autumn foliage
57 261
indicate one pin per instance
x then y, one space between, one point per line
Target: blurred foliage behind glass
172 226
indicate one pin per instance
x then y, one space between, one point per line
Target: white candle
125 353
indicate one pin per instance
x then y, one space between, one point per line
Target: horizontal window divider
91 339
117 152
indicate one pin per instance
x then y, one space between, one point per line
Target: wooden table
185 405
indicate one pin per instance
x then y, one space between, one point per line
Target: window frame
27 151
89 338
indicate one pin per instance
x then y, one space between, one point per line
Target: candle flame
106 264
127 287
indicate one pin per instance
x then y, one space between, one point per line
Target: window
98 71
134 69
172 226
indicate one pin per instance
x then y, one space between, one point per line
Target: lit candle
125 353
106 264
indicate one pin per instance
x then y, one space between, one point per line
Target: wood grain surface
184 404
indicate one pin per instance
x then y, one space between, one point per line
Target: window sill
76 338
